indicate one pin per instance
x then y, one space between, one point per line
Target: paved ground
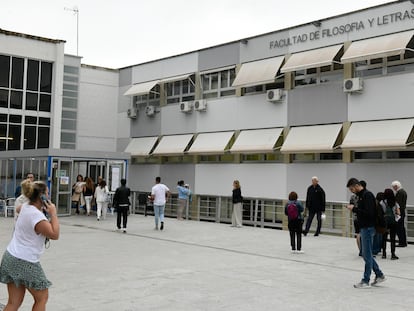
208 266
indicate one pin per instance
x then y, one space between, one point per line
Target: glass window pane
4 70
45 102
214 81
43 137
206 82
29 137
68 114
3 137
69 125
70 94
3 117
224 79
44 121
31 101
68 137
15 132
69 102
17 73
46 78
33 75
70 78
15 118
4 98
16 98
71 69
30 120
177 88
71 87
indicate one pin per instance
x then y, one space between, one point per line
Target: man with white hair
315 203
401 199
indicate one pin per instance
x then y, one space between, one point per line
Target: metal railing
259 212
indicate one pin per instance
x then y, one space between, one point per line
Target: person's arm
49 229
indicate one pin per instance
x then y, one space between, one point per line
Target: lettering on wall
343 29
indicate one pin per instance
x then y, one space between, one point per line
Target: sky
121 33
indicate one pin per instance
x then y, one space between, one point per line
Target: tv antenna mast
75 11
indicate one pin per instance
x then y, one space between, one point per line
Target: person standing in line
315 203
391 212
20 267
237 215
122 203
366 213
401 198
88 193
294 210
101 195
183 195
159 196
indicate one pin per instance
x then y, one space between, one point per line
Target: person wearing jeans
365 210
159 196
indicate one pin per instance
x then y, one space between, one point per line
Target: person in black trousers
295 223
315 203
121 203
401 198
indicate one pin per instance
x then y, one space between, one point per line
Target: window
16 99
386 65
29 137
45 102
179 91
319 75
31 101
4 70
152 98
4 98
43 137
218 84
17 73
46 77
32 75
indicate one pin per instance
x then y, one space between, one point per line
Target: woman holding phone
20 267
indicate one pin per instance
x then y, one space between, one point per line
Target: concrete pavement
208 266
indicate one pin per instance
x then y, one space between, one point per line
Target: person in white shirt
159 195
20 267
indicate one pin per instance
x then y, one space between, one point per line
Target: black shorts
356 226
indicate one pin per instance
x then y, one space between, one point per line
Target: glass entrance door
62 181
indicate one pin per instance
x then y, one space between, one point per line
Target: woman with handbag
77 193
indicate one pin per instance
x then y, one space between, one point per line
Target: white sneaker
300 252
362 285
293 251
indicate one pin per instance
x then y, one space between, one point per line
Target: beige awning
378 47
141 88
173 145
311 139
261 140
379 135
175 78
311 59
211 143
258 72
141 146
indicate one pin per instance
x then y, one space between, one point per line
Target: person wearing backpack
294 211
391 215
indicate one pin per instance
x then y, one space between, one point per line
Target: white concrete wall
97 110
386 97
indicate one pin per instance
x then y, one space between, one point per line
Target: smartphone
44 200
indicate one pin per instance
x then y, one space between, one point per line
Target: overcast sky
120 33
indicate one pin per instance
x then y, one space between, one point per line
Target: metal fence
258 212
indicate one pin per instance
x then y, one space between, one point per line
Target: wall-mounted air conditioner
132 113
186 107
150 111
200 105
353 85
274 95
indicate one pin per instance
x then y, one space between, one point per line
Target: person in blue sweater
183 195
294 210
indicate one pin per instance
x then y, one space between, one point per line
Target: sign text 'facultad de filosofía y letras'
343 29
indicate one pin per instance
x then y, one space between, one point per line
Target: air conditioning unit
200 105
274 95
353 85
186 107
132 113
150 111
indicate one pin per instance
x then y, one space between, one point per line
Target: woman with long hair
20 267
237 216
101 195
88 192
391 213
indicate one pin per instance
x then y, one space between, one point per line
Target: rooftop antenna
75 11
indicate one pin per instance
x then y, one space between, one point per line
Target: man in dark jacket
365 210
315 203
121 203
401 198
